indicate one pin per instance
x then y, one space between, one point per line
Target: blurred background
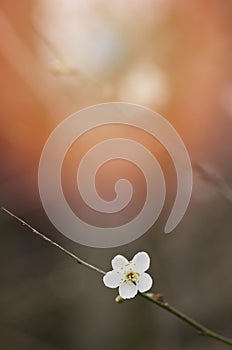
174 57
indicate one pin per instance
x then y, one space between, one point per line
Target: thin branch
154 298
215 179
78 260
203 330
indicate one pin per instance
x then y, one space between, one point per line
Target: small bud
119 299
150 295
159 297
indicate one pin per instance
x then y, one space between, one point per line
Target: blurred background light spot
93 44
145 83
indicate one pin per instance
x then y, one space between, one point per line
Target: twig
154 298
78 260
203 330
215 179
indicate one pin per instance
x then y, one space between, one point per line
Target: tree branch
154 298
78 260
203 330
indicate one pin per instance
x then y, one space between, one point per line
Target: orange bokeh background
57 57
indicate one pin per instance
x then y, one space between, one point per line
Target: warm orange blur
57 57
56 60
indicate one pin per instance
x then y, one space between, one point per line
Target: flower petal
141 262
119 262
113 279
127 290
144 283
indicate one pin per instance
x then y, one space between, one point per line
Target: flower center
131 276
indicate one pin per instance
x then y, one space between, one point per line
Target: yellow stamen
131 276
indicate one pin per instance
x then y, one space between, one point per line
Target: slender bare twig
78 260
215 179
154 298
203 330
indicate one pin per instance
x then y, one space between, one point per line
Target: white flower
129 276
